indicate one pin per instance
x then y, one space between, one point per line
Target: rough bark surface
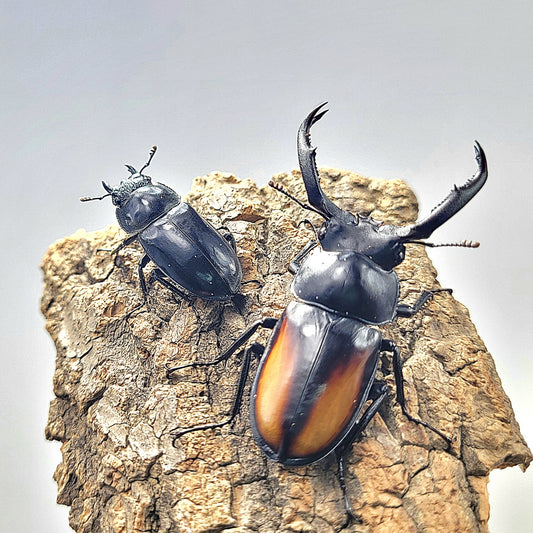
115 409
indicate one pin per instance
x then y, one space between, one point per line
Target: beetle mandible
317 372
188 251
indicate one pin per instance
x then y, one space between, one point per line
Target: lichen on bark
114 409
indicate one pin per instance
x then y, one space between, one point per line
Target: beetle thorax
351 284
144 205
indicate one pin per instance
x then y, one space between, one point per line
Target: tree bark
115 409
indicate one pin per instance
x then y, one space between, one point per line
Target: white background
89 86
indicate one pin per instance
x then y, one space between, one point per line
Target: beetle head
122 192
383 243
363 235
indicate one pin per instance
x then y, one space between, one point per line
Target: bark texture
114 407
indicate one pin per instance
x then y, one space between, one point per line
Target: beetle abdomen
312 383
193 254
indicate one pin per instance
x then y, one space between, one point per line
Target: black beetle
317 371
188 251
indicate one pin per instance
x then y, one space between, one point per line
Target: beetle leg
377 394
231 239
228 236
350 515
267 323
162 278
297 260
390 346
142 280
279 187
256 349
117 249
406 311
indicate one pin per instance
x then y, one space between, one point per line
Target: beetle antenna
307 221
282 190
152 152
462 244
89 199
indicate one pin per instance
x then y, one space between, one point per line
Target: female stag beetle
317 372
188 251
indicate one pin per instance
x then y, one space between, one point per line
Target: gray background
87 87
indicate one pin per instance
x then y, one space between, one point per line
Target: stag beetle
317 371
188 251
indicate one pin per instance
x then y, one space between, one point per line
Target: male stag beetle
188 251
317 371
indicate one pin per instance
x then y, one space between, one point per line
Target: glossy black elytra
188 251
315 389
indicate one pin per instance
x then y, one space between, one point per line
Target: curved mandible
456 200
307 160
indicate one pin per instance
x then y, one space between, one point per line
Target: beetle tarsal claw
436 291
129 314
170 370
175 437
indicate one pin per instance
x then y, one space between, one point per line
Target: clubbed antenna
152 152
462 244
89 199
107 187
278 187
